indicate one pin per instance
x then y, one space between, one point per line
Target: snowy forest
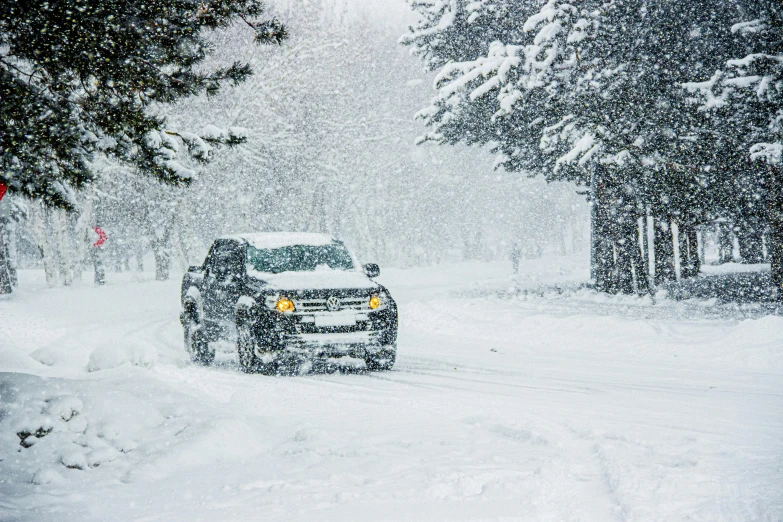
321 151
664 121
421 260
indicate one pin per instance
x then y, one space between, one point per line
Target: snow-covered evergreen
87 78
591 93
745 95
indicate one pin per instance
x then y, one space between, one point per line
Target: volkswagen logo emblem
333 304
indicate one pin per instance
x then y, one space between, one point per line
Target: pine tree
85 77
589 93
745 98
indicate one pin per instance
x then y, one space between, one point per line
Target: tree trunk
693 251
689 250
628 256
160 241
664 250
775 216
162 260
82 245
725 243
682 247
644 246
751 243
561 240
6 280
64 263
638 253
97 263
41 234
602 250
184 254
617 238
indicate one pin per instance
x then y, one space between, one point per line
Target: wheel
246 349
196 342
383 359
201 353
249 362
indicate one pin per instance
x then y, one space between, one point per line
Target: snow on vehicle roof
283 239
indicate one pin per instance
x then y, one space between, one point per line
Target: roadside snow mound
66 434
46 435
51 356
107 357
47 432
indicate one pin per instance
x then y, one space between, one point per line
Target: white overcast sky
395 15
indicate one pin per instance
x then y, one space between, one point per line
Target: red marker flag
102 237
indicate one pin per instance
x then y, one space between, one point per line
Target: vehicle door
224 280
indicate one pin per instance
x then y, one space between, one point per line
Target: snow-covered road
504 405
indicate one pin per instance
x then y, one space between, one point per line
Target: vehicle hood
316 280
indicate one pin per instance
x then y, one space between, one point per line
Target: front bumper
371 331
357 344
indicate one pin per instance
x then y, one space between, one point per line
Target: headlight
284 305
375 302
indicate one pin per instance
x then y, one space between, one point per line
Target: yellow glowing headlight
284 305
375 302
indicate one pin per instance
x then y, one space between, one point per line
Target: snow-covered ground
527 399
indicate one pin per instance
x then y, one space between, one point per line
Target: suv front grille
319 305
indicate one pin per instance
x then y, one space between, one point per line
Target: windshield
299 258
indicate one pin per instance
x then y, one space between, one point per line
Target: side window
209 262
226 259
235 259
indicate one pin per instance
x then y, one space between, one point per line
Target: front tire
201 352
196 342
249 361
246 349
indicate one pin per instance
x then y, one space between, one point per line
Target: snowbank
107 357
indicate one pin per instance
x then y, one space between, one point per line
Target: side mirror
372 270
